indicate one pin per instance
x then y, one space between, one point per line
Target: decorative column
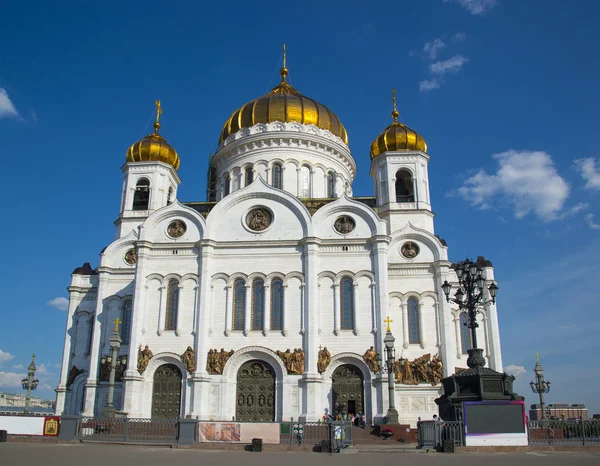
357 308
298 181
228 310
162 307
267 311
195 312
494 348
179 309
311 187
450 346
421 326
404 312
456 321
61 391
285 311
247 310
337 312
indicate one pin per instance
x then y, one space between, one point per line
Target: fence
331 436
433 434
132 430
577 432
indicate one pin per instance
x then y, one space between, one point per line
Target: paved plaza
12 454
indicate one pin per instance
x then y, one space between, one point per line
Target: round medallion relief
259 219
176 229
409 250
344 224
130 257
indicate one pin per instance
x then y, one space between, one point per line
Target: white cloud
515 370
42 369
7 109
525 180
459 37
429 85
451 65
18 366
4 357
589 219
475 7
59 303
433 48
10 379
589 172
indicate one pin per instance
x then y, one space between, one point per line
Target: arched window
239 304
304 182
276 176
141 196
330 184
126 323
277 304
465 334
404 187
414 326
227 187
258 304
347 304
172 305
249 176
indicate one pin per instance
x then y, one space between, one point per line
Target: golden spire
284 70
537 357
395 113
158 114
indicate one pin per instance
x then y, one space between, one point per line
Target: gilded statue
144 357
436 370
215 361
371 357
421 370
189 359
294 362
323 360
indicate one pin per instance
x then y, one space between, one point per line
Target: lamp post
470 297
390 359
540 386
30 383
115 344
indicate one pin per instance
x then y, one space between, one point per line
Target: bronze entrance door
166 392
255 399
347 390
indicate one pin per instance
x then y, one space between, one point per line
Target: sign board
495 423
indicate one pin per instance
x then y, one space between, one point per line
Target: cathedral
271 300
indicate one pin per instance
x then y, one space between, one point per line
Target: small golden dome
154 147
285 104
397 137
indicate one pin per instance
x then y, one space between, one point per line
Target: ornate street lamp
390 359
30 383
540 386
470 296
115 344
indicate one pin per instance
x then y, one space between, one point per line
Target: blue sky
504 92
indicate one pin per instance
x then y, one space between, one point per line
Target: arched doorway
166 392
255 399
347 390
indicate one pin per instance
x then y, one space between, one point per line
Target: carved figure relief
73 374
371 357
259 219
421 370
130 257
409 250
294 362
344 224
144 357
323 360
176 229
188 358
215 361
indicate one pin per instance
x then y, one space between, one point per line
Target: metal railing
333 435
131 430
433 433
562 432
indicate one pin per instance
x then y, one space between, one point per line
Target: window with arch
330 184
172 305
465 334
239 304
227 187
170 196
258 304
304 182
277 304
276 176
141 196
405 191
248 176
347 304
414 326
126 322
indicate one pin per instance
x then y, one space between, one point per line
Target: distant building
559 411
18 400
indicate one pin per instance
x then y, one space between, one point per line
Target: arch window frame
239 304
331 184
347 305
305 181
227 187
414 321
172 308
141 194
258 304
276 176
248 175
409 196
466 342
277 304
126 310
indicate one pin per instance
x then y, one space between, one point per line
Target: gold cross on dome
284 56
395 113
117 321
158 110
388 321
537 357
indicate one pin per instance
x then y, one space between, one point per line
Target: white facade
299 247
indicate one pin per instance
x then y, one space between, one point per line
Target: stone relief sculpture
176 229
188 358
421 370
344 224
144 357
323 360
73 374
259 219
371 357
409 250
294 362
215 361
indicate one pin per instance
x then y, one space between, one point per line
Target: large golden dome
397 137
154 147
285 104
